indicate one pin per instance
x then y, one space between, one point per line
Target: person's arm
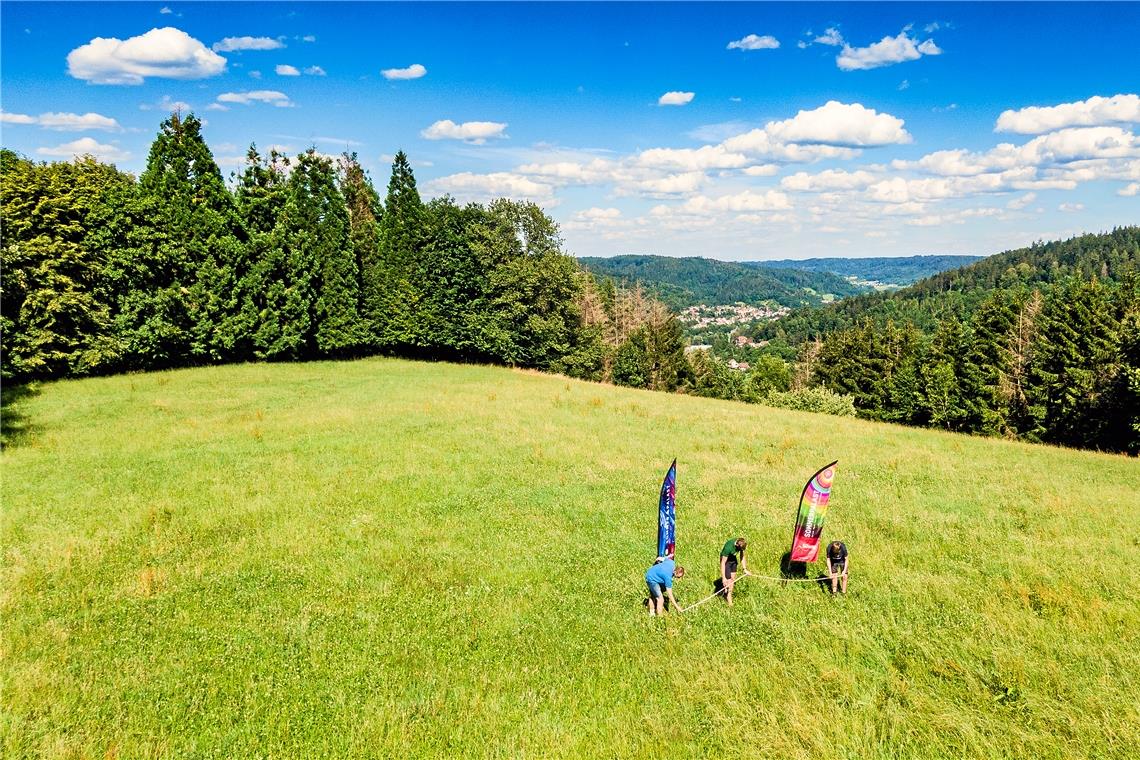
723 564
744 563
845 565
673 600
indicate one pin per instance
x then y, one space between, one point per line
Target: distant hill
682 282
903 270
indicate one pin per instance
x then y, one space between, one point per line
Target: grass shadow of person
15 426
797 571
792 570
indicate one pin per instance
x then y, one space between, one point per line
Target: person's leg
833 573
730 581
843 583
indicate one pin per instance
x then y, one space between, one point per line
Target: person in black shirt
837 565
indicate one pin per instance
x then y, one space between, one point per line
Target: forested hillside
682 282
1041 343
902 270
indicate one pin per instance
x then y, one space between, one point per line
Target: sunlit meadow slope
393 559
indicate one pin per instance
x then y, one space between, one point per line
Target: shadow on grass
15 427
798 571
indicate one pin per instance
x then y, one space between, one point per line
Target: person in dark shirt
837 565
731 556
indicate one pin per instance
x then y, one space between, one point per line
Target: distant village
728 317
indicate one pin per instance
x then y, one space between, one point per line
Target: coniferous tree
308 276
1071 366
259 198
950 381
401 241
454 282
186 279
364 215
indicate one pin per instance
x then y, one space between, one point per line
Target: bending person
837 565
659 579
731 556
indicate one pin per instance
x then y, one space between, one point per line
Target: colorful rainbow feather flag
809 518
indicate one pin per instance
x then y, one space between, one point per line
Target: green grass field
393 559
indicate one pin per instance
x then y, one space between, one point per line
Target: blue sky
735 131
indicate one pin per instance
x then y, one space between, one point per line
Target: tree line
297 258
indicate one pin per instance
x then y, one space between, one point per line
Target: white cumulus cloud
832 179
85 146
234 44
315 71
483 187
65 122
168 52
681 183
692 159
675 98
285 70
748 200
755 42
16 118
885 52
477 132
830 36
1019 203
74 122
841 124
274 97
415 71
1096 111
1129 190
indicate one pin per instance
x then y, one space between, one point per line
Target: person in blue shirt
659 579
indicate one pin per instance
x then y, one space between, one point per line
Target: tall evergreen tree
400 241
185 282
260 195
1074 346
308 276
364 215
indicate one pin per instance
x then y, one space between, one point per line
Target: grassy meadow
386 558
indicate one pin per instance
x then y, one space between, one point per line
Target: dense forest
1040 343
901 270
682 282
296 259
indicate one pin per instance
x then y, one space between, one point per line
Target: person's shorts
835 569
730 567
656 590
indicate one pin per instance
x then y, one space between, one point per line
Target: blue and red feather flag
667 515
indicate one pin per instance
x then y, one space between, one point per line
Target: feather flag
667 515
809 518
